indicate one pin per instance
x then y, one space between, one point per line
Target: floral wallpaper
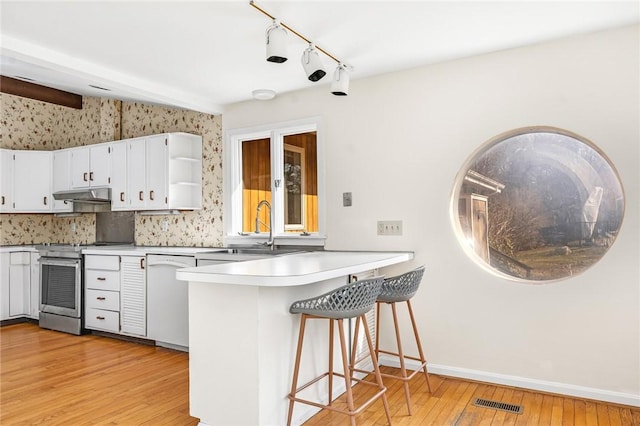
31 124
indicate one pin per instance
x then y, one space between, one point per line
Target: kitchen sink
243 253
263 250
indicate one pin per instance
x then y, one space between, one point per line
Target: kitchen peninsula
242 337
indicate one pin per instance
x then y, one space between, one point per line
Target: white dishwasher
168 301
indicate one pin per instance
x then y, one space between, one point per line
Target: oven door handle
59 261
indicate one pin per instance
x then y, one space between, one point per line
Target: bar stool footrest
356 411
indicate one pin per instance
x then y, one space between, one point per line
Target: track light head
312 64
276 43
340 82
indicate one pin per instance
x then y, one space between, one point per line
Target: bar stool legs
351 411
400 354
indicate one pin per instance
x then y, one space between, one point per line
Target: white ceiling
203 55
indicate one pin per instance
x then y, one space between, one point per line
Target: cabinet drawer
102 280
101 299
96 261
102 320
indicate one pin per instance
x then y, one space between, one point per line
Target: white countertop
126 250
8 249
293 269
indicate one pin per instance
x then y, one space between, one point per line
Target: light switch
346 199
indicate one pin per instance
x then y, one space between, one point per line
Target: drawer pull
101 298
91 176
101 279
141 195
122 197
99 317
151 195
84 176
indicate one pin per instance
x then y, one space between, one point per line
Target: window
537 205
279 164
294 189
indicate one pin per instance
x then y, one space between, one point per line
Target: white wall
397 142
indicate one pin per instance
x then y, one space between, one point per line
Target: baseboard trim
523 382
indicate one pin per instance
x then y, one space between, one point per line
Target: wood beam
25 89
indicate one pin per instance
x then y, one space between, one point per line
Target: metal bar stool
400 289
350 301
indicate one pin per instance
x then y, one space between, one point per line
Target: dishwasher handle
166 262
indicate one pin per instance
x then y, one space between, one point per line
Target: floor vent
496 405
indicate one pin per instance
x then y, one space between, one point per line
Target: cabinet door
100 164
5 263
119 192
35 286
61 179
80 167
136 177
157 172
32 181
6 180
19 284
133 301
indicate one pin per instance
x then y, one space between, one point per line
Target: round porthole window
537 204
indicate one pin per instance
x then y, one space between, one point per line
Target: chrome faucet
270 241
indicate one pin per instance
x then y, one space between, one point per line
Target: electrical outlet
389 227
165 225
73 227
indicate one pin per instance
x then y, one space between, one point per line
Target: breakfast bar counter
242 337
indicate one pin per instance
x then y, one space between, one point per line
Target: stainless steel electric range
61 287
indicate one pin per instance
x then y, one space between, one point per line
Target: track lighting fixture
340 82
311 62
276 43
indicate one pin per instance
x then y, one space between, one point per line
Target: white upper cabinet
119 193
90 166
157 172
6 180
156 165
165 172
136 174
61 179
26 182
32 181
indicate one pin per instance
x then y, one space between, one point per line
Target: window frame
302 152
232 185
463 174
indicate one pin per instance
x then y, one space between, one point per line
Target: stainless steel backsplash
115 227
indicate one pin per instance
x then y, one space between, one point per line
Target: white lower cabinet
5 261
34 312
116 294
133 293
102 293
102 299
19 285
102 319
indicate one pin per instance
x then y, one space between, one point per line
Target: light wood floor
51 378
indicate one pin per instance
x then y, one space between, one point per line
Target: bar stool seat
396 289
353 300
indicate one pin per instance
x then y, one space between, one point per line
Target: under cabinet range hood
88 195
